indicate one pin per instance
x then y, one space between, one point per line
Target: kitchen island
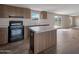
42 38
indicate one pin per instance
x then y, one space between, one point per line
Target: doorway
58 21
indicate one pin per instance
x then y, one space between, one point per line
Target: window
58 20
35 15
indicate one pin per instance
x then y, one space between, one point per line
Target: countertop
38 25
39 29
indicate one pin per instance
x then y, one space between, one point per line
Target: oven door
16 34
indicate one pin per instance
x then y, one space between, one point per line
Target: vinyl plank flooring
67 43
15 48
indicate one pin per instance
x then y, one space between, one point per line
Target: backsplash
4 22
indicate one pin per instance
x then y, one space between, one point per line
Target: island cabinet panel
3 36
44 40
54 37
40 42
6 11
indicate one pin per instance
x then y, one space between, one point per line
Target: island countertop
42 38
39 29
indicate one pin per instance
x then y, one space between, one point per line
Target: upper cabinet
1 11
6 11
43 15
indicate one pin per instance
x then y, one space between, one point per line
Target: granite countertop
39 29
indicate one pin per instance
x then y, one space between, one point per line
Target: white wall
66 21
51 18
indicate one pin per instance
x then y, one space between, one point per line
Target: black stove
15 31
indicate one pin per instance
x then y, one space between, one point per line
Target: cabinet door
24 12
1 11
27 13
44 40
41 41
9 11
3 36
18 11
54 37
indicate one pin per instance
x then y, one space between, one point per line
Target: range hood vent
16 17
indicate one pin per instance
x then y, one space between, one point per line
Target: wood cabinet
43 15
26 33
1 11
3 36
42 41
26 37
6 11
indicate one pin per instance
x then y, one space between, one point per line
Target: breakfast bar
42 38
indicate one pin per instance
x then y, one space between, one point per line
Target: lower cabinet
3 36
42 41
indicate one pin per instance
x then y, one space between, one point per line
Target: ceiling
65 9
